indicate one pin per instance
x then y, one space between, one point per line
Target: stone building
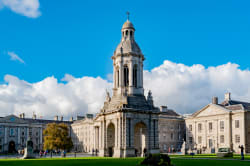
219 125
83 134
15 131
171 131
128 124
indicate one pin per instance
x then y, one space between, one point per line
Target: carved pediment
211 110
12 119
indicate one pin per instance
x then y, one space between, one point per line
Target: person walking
242 152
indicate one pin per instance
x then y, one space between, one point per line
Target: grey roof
128 46
235 105
128 25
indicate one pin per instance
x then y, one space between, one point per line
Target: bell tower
128 64
128 121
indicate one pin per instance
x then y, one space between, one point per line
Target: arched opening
12 147
126 32
131 34
111 139
135 76
126 73
140 139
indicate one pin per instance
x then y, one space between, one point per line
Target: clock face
12 119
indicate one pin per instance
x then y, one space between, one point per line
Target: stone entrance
12 147
111 139
140 138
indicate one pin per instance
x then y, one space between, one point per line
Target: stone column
114 76
131 73
41 135
5 134
18 135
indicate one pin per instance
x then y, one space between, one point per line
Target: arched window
126 32
126 81
135 76
131 33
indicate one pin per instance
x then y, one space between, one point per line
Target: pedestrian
96 151
93 152
242 152
41 153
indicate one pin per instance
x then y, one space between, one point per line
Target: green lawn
116 162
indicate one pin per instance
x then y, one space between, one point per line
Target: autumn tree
56 136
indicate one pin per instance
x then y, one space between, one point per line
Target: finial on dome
127 14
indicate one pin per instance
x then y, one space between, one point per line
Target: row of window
172 136
222 139
13 133
126 76
210 126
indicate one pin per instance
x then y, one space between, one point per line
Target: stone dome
128 25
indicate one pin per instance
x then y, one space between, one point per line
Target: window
30 132
126 32
36 133
199 127
1 130
190 140
199 140
12 132
237 124
222 125
131 33
190 127
237 138
210 126
164 136
135 75
222 139
126 72
179 136
172 136
210 143
164 147
23 133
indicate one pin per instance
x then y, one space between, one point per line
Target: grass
100 161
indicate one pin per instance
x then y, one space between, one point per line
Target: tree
56 136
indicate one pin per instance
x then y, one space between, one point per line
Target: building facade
224 125
16 131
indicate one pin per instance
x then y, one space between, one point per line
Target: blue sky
78 37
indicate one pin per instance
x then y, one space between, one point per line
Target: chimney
61 118
163 108
215 100
56 118
34 116
22 115
228 96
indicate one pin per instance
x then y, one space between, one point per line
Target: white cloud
189 88
28 8
48 97
15 57
184 88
